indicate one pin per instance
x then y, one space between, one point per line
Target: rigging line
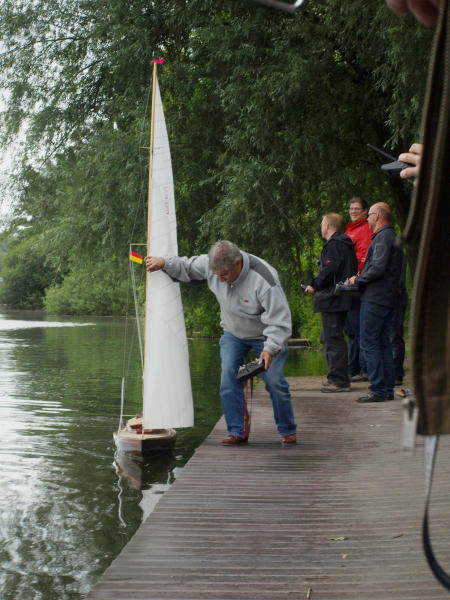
281 211
141 206
125 337
127 360
122 394
130 353
136 308
125 367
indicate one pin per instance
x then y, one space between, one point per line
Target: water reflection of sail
141 474
153 477
167 396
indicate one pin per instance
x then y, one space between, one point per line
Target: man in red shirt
358 229
360 233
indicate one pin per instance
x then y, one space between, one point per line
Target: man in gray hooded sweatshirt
254 315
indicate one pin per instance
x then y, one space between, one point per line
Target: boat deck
338 516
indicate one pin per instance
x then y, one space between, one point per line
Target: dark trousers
376 324
335 347
356 362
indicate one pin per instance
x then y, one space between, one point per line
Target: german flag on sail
135 257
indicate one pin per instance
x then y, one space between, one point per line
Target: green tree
27 272
268 115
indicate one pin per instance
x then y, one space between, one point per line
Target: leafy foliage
93 289
27 272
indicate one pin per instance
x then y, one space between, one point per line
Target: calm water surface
67 503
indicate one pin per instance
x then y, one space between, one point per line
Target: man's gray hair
223 255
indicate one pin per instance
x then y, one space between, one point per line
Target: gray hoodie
252 307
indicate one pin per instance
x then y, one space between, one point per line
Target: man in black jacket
337 263
379 285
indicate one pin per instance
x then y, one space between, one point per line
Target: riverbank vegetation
268 117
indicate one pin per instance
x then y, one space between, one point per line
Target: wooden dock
338 516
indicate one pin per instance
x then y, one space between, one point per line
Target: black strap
248 408
430 450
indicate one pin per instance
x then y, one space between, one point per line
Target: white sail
167 383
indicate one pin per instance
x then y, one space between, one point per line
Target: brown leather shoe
289 439
233 440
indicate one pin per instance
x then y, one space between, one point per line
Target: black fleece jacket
337 262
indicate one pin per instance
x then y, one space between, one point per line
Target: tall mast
149 196
150 170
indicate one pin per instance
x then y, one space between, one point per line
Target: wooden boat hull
132 440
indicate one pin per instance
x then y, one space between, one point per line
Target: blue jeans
375 337
233 351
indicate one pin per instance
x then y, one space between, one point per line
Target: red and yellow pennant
135 257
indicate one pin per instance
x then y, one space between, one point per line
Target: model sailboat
167 396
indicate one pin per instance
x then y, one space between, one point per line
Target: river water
67 503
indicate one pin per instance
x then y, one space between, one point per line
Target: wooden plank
339 514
